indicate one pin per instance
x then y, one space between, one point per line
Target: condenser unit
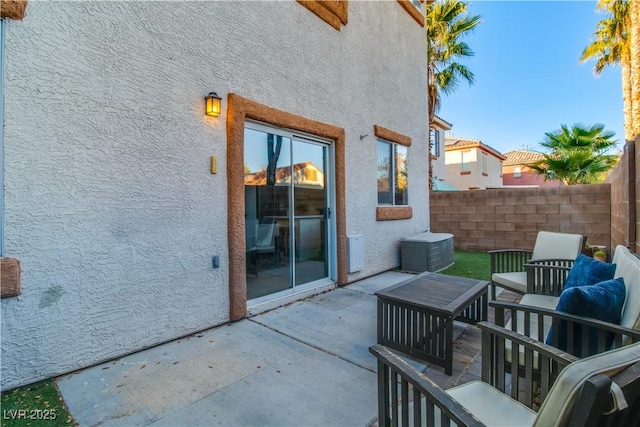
427 252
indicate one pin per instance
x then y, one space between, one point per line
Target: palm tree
611 46
576 155
447 24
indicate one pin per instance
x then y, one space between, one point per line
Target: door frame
238 111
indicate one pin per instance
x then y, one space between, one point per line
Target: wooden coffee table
416 316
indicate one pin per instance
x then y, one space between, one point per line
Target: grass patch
475 265
37 404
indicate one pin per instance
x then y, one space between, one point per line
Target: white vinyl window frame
393 196
329 177
437 138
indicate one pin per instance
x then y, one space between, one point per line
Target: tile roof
442 122
440 185
521 157
453 143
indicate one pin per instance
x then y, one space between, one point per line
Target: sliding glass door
287 211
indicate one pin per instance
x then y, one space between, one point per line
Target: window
465 156
436 137
485 170
392 174
517 173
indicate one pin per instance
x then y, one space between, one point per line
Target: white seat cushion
559 403
490 406
542 301
550 245
628 267
512 281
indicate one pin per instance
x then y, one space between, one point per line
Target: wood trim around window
240 109
392 213
391 136
411 9
333 12
13 9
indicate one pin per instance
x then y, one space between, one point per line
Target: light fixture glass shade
212 104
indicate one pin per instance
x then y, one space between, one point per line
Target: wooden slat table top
440 292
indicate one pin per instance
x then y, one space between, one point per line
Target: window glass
464 162
392 174
384 173
401 173
436 136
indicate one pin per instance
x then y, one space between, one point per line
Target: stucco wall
474 177
527 177
484 220
109 203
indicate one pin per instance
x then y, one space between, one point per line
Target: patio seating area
317 360
584 353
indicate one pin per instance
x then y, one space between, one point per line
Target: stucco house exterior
126 213
516 172
471 164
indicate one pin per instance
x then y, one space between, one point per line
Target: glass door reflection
286 212
310 211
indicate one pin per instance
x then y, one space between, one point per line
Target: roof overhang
441 123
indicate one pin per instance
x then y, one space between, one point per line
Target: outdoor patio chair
535 315
602 390
524 271
261 240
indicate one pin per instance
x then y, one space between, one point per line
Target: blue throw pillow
589 271
602 301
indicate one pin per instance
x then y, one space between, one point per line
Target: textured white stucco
109 204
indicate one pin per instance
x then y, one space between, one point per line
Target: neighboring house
438 128
128 208
471 164
304 175
516 172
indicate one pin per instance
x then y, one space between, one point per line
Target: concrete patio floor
306 363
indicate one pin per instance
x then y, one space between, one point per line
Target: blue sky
528 77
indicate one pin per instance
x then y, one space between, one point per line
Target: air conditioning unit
427 252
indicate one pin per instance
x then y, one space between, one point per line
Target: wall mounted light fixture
212 104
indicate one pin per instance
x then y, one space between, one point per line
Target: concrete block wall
623 199
511 218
